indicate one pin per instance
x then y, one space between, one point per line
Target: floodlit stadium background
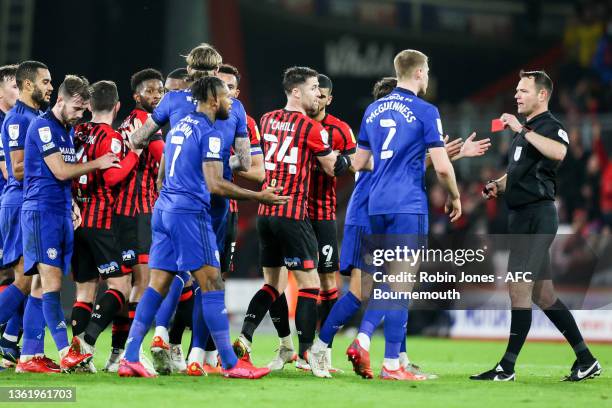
476 48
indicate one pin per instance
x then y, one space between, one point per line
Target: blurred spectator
602 62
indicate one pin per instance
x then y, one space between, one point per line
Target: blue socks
54 316
372 317
342 311
11 299
215 315
145 312
33 328
199 331
168 306
14 324
395 331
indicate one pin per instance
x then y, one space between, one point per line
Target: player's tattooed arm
241 160
141 136
257 173
213 173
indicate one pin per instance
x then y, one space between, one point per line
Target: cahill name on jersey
398 129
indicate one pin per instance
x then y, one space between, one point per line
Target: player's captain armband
563 135
13 131
325 137
214 144
116 146
45 134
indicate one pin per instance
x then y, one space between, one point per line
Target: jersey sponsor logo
214 144
116 146
517 153
45 134
108 268
563 135
52 253
13 131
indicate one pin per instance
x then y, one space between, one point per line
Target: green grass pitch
539 369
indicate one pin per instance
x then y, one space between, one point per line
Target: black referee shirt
531 176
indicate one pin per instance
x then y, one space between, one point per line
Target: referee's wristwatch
525 130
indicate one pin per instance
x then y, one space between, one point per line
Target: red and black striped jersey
138 191
322 192
290 142
253 132
95 192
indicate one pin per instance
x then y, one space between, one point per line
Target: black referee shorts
533 228
327 239
287 242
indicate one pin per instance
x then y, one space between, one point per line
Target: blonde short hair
204 57
406 61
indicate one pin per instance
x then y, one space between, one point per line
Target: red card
497 125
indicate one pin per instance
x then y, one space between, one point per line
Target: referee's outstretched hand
270 196
453 209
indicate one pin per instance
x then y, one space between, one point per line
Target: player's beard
39 98
68 121
147 106
222 113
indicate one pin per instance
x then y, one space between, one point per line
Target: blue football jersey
398 129
42 191
2 179
173 107
192 141
14 129
357 210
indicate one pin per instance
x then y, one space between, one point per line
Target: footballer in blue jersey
397 131
182 232
47 219
34 83
9 93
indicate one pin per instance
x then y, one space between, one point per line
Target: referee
538 148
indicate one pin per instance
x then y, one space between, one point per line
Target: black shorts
231 234
134 236
287 242
96 254
327 238
533 229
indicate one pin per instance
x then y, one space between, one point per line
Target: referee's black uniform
530 196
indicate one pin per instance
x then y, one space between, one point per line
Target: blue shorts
400 224
409 230
182 242
12 246
47 238
350 253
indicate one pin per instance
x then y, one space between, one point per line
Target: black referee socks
563 320
519 329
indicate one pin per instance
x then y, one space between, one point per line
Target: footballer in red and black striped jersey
138 192
97 252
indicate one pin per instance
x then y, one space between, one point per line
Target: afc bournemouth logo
52 253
